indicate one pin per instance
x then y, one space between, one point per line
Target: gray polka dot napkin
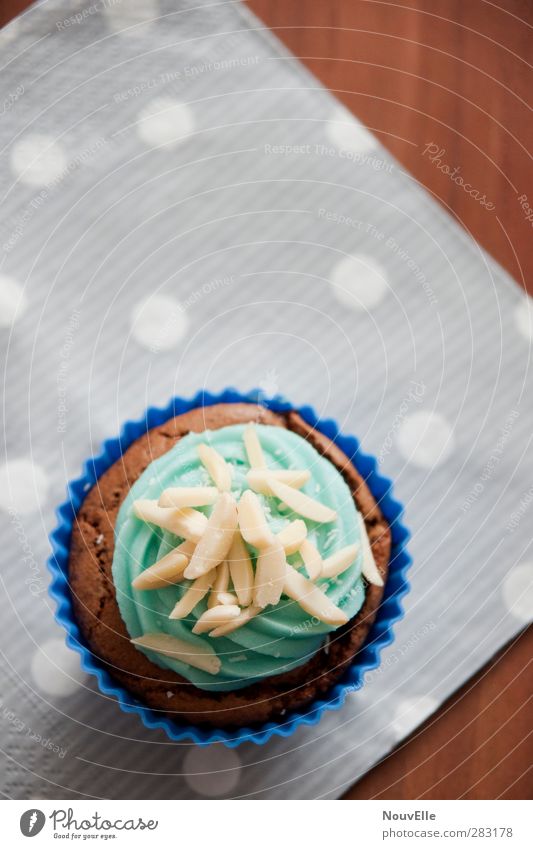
184 206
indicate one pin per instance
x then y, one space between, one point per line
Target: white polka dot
411 713
125 18
158 323
347 133
12 301
518 592
23 486
425 439
212 771
56 669
37 159
165 122
359 281
524 318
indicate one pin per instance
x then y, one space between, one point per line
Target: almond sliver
243 617
301 503
200 656
188 496
241 570
252 522
258 478
254 452
222 614
339 562
217 467
312 599
311 558
166 571
292 536
369 568
192 596
220 584
217 537
187 523
222 598
222 579
269 574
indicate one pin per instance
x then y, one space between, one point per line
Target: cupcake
227 567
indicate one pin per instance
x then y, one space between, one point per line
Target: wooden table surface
454 73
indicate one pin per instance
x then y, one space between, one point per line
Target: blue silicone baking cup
367 658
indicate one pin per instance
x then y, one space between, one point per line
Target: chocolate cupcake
226 569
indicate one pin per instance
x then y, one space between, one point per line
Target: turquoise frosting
283 636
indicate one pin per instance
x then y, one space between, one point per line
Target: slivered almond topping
339 562
256 458
369 568
193 595
222 614
312 599
187 523
220 584
188 496
217 538
258 478
311 558
222 579
252 522
243 617
225 598
269 574
241 570
216 559
292 536
301 503
166 571
201 656
217 467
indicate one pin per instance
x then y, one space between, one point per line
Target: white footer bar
307 825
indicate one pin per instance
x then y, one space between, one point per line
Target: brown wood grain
451 72
456 73
478 746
